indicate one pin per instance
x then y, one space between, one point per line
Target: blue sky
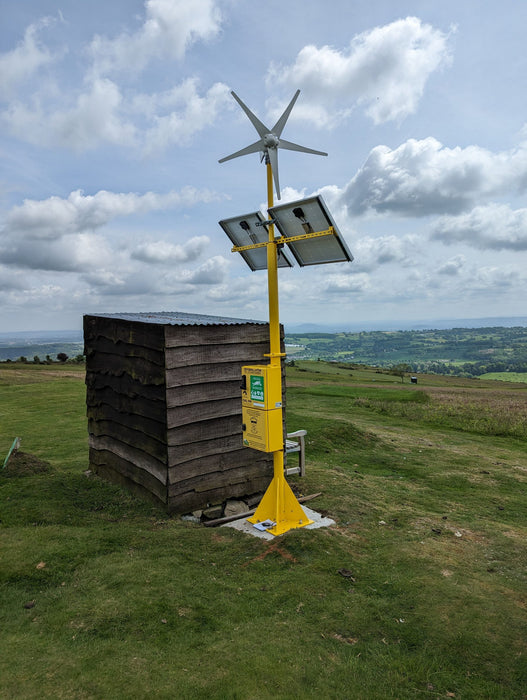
114 116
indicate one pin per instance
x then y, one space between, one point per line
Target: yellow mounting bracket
279 505
283 239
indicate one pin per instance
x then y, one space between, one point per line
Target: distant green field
506 376
460 351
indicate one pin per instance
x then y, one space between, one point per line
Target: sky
114 115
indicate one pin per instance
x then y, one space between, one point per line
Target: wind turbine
270 141
278 509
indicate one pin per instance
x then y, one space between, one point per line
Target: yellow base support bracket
279 504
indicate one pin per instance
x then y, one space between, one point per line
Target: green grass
506 376
130 603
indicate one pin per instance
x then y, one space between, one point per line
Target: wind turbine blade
260 128
273 158
279 126
253 148
295 147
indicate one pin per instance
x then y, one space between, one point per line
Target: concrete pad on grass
243 526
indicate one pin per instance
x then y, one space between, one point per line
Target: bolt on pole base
279 504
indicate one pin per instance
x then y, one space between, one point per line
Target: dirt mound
24 464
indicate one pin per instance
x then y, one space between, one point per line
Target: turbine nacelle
269 141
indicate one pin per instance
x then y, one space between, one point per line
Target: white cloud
96 117
176 115
493 279
169 29
59 234
424 177
244 292
346 282
453 267
125 279
101 114
372 252
95 110
55 217
168 253
489 227
23 62
384 70
213 271
39 296
124 282
11 279
105 279
75 253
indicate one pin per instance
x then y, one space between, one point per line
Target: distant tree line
469 369
62 358
466 352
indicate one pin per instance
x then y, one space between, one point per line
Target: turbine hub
271 141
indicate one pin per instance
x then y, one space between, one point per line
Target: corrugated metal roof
178 318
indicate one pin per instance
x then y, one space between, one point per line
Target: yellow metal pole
279 503
272 281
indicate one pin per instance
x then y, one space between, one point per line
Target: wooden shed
164 405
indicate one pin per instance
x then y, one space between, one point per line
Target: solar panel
250 229
305 217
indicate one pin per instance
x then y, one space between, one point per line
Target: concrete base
244 526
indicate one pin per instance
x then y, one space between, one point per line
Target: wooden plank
177 336
111 467
202 374
124 384
133 421
136 367
213 465
156 410
216 371
215 354
204 430
197 393
148 335
134 438
133 455
111 347
157 335
183 415
244 474
192 500
188 416
208 391
198 450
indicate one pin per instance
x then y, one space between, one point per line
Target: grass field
506 376
104 596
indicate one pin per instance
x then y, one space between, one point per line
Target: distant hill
40 343
459 351
412 325
449 346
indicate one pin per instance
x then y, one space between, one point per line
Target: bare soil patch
25 464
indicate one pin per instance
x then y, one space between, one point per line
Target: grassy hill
104 596
460 351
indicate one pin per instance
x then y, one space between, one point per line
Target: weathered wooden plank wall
207 461
164 408
125 396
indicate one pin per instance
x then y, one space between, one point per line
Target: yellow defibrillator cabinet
262 408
